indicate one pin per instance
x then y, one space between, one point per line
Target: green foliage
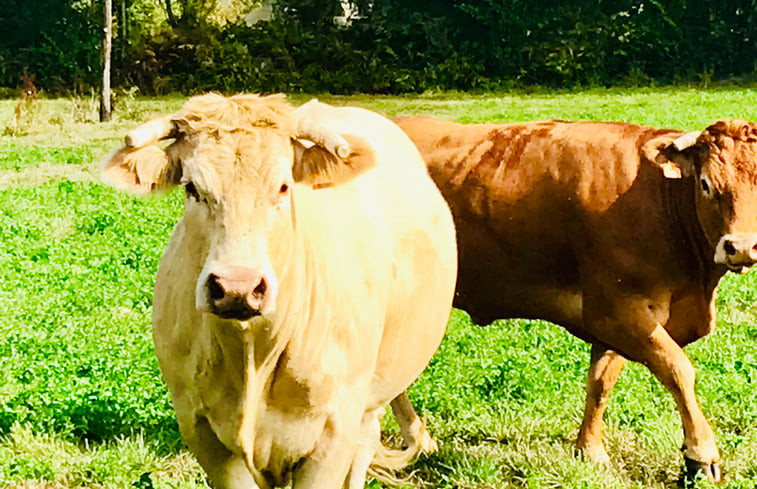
392 46
57 41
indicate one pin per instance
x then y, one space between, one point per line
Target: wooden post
105 108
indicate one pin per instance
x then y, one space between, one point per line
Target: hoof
693 468
597 457
422 442
426 444
595 453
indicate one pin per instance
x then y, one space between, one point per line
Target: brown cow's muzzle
737 251
240 293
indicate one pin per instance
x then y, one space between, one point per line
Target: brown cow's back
536 204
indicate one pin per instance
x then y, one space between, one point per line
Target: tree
169 12
105 108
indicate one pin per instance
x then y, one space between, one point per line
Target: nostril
259 291
238 293
215 291
729 248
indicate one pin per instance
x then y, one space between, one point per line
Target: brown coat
617 232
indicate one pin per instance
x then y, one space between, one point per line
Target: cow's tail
388 461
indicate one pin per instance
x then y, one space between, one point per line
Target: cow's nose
737 250
241 295
728 247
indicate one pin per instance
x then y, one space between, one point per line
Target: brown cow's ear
667 153
320 168
140 171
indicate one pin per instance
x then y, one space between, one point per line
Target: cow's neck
323 277
688 241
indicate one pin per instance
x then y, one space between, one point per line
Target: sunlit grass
82 403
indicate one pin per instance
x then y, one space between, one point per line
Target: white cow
306 286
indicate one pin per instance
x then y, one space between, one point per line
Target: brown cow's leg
640 337
672 367
606 366
413 428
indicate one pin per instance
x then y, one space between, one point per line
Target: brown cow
617 232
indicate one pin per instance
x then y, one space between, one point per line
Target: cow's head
238 159
723 160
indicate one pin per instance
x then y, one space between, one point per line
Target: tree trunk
169 12
124 23
105 108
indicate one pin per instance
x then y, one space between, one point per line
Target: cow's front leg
414 432
370 437
328 465
606 366
671 366
225 469
632 327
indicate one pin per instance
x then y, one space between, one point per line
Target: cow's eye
191 191
284 189
705 186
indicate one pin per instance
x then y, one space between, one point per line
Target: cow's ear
140 171
676 156
320 168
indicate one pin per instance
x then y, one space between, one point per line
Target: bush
393 46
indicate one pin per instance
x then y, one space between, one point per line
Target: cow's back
535 204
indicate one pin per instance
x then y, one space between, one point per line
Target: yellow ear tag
671 170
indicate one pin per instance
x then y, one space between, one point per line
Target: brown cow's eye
705 186
284 189
191 191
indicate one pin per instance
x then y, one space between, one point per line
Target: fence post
105 108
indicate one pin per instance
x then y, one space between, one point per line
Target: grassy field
82 403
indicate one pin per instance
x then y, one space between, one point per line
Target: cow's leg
672 367
606 366
640 337
225 469
413 428
370 434
328 466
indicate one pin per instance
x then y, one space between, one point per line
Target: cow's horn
331 141
151 132
686 140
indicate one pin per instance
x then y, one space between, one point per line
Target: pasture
81 399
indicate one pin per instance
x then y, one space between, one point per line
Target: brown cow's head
238 159
723 159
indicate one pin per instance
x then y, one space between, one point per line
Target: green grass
18 156
82 403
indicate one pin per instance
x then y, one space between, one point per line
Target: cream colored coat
361 261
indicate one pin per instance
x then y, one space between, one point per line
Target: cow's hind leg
606 366
225 469
413 428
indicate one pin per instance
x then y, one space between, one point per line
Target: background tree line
386 46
